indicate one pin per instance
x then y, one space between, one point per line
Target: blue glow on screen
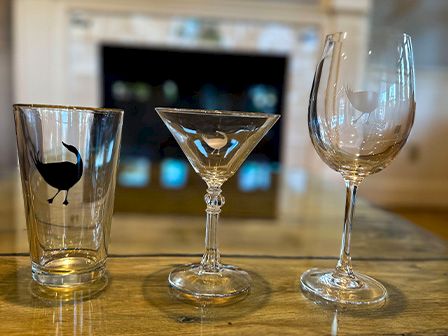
188 130
109 151
201 148
173 173
99 159
104 155
255 176
134 172
233 144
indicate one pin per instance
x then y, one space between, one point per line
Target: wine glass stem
344 265
211 259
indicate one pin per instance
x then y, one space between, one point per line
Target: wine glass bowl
360 119
215 143
360 115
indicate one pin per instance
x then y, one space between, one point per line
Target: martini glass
216 143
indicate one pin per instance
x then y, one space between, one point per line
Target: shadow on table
160 295
18 288
394 305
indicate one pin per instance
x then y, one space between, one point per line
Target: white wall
419 174
7 136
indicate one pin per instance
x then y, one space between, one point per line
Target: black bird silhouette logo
60 175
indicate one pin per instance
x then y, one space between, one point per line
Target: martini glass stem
344 265
211 259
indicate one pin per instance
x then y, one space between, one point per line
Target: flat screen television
154 175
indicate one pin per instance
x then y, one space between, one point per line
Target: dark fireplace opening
154 175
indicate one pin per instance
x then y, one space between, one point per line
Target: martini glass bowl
215 143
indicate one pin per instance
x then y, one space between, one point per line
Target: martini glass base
329 285
226 285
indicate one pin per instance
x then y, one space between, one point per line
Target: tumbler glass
68 160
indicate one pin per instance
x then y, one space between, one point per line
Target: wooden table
410 262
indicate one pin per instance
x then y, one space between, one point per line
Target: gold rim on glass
70 107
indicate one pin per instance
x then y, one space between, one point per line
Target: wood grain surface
409 261
137 301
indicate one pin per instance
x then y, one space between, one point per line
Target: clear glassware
68 160
216 143
360 115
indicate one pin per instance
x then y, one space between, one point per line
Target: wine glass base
340 288
227 284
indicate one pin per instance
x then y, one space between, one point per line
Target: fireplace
71 63
154 175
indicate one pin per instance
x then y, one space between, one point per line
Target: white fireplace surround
56 54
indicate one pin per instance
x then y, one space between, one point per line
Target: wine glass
361 112
216 143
